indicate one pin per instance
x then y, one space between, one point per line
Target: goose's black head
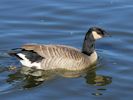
96 32
93 34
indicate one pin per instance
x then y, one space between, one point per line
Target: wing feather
49 51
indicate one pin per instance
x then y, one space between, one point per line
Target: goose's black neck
89 44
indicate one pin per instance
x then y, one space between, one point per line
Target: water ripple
66 22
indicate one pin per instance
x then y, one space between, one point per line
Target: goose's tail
23 54
14 52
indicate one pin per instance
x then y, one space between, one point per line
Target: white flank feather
27 62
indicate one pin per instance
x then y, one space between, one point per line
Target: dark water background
65 22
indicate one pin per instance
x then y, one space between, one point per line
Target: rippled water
65 22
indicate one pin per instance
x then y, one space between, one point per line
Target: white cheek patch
95 35
27 62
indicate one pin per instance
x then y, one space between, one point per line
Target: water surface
66 22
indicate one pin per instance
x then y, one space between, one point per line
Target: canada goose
47 57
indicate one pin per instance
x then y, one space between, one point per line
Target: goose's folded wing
49 51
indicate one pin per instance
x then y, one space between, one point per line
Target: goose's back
60 56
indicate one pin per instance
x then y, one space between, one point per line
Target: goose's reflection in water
30 77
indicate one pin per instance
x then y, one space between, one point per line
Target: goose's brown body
61 56
47 57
